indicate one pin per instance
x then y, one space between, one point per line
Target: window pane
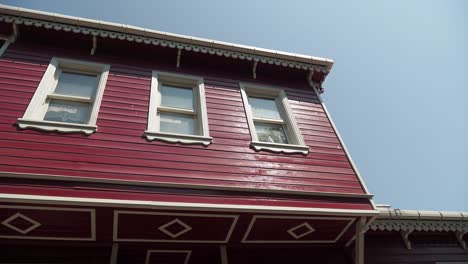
264 108
76 84
177 123
177 97
271 133
67 111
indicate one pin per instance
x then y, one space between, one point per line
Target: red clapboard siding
119 151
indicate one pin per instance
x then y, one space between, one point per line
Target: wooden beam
4 47
114 254
359 245
9 39
223 253
371 220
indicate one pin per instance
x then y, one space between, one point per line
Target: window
271 121
177 111
68 97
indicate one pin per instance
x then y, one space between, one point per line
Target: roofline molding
98 28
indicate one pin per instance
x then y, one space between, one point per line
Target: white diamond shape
175 221
34 224
297 236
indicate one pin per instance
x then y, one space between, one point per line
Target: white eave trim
29 17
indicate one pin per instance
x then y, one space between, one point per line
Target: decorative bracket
93 49
254 69
459 235
404 235
309 77
179 53
9 39
15 34
312 84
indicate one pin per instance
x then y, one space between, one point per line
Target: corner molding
140 36
51 126
178 138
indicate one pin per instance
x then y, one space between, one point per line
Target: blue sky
398 91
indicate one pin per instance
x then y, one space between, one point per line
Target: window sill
280 148
178 138
52 126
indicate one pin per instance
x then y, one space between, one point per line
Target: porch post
114 253
359 243
223 253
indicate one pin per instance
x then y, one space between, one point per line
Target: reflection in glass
68 112
177 123
177 97
264 108
76 84
273 133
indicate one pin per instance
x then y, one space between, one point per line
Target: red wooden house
126 145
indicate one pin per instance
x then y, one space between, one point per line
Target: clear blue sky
398 91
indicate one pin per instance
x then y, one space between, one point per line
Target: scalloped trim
279 148
419 225
55 126
161 42
178 138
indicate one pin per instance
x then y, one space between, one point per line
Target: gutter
398 214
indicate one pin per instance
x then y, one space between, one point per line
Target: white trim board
118 212
91 211
353 165
255 217
61 200
175 185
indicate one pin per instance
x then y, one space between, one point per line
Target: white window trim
197 84
297 144
33 117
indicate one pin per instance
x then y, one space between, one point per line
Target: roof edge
399 214
128 29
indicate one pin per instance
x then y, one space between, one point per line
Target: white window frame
37 108
296 141
197 84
